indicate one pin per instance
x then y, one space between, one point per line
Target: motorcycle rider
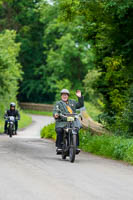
12 112
66 105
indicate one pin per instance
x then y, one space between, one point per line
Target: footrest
58 152
77 151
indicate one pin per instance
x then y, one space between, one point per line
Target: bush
115 147
122 123
49 131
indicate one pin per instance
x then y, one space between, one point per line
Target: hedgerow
109 146
48 131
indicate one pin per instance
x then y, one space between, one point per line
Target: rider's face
12 108
64 97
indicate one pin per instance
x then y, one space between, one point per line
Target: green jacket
60 107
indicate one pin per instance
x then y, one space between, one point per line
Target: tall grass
92 110
114 147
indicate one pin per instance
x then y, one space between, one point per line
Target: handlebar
75 115
69 116
12 116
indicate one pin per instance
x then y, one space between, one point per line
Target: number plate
70 119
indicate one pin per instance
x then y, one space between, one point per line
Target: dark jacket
14 113
60 107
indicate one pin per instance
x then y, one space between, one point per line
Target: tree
10 69
67 56
23 16
108 24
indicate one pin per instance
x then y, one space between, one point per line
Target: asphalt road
30 170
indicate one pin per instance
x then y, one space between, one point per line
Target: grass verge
114 147
25 121
92 110
36 112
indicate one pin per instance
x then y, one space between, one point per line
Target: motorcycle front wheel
10 131
72 150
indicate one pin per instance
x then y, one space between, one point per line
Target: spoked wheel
63 156
10 131
72 150
64 149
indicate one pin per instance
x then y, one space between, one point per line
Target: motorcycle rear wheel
64 149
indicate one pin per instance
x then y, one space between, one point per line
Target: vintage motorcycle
69 145
11 126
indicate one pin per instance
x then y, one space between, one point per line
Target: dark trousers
59 137
16 125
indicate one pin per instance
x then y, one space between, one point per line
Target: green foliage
10 69
49 131
93 110
50 50
23 16
68 60
25 121
117 83
38 112
124 122
90 85
67 56
128 113
115 147
105 24
85 45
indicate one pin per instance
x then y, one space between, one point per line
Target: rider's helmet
65 91
12 104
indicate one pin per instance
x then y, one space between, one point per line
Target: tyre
64 149
72 150
63 156
10 131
